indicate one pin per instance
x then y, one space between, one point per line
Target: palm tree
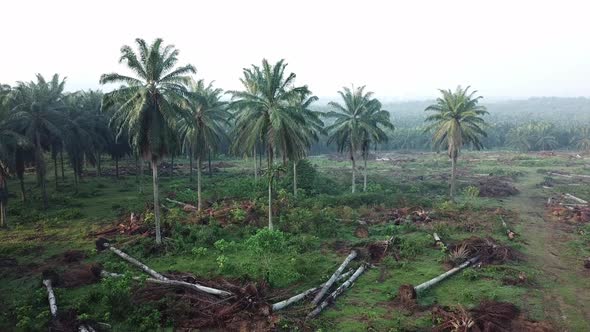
543 136
379 121
264 113
457 120
150 103
38 115
351 123
519 139
204 130
582 139
309 131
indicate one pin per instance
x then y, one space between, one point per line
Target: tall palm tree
457 120
264 113
150 102
379 120
582 139
309 131
351 123
38 115
203 131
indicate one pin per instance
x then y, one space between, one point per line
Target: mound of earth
496 187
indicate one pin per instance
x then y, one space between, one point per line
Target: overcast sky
399 49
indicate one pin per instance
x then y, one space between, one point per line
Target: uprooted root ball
488 250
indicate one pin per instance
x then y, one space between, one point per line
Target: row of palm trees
160 109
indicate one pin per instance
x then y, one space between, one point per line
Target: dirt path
565 283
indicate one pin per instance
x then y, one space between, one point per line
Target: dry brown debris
489 251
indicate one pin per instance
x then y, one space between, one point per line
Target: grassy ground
319 231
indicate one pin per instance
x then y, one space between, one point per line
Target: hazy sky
400 49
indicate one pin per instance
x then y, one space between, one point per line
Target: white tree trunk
135 262
170 282
270 201
337 292
334 277
51 297
156 201
285 303
579 200
353 172
434 281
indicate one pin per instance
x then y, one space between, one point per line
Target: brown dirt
362 231
73 256
76 276
494 186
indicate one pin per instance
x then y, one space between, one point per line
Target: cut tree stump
296 298
511 235
332 297
333 278
438 242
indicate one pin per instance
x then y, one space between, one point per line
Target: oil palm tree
38 115
351 122
203 131
10 141
582 139
264 113
457 119
379 121
309 132
150 102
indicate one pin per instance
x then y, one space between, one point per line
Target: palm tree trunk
270 202
3 220
453 176
61 160
255 164
295 178
117 166
140 175
353 171
190 160
199 201
365 173
41 170
156 200
55 171
22 188
98 168
172 165
210 172
270 161
3 202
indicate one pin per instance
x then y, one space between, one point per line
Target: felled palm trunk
333 278
332 297
432 282
285 303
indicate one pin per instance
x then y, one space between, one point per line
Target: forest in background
534 124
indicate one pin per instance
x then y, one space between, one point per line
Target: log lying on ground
333 278
432 282
332 297
47 282
511 235
51 297
285 303
170 282
579 200
438 241
102 243
185 206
